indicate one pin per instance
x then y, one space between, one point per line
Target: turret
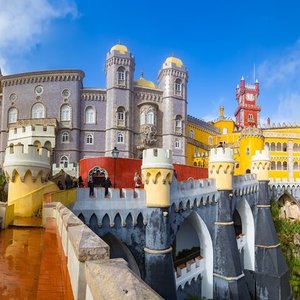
250 140
172 80
260 164
221 112
157 173
221 167
120 104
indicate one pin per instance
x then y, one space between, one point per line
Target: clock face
250 97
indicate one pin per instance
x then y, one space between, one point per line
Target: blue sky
218 41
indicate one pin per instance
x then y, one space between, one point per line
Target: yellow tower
157 173
221 167
260 164
26 169
250 140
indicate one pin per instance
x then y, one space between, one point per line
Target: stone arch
248 231
195 222
118 249
48 146
81 217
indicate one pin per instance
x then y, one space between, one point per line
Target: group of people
106 184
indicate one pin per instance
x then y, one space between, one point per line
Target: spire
256 81
142 75
242 78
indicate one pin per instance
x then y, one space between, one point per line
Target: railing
185 273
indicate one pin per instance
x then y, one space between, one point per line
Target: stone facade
131 115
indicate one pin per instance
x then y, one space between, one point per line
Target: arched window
295 148
65 137
142 118
121 76
120 116
177 144
250 118
89 139
90 115
38 111
210 140
273 165
12 115
225 130
150 117
272 146
65 112
178 87
191 133
178 124
267 145
296 166
247 151
284 165
120 138
64 161
278 147
279 166
284 147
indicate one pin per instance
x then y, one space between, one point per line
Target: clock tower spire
247 112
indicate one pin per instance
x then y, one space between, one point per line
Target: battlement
20 159
157 158
31 131
221 155
261 155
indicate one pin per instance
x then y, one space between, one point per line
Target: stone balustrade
189 271
92 274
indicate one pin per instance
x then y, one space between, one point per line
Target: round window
66 93
39 90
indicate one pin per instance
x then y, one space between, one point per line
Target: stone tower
172 80
247 112
157 173
120 101
229 279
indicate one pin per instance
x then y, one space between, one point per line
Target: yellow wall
66 197
27 197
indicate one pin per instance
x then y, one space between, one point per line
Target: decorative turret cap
221 167
260 164
120 48
157 173
174 60
251 132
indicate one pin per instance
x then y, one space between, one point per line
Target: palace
78 122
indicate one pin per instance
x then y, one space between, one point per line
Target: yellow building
245 136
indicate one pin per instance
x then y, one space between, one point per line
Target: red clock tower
247 112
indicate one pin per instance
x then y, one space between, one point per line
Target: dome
145 83
174 60
119 47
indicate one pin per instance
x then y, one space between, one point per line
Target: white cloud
22 24
282 67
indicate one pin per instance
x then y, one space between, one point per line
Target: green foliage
286 231
3 192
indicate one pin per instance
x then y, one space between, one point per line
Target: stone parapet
111 279
260 164
157 158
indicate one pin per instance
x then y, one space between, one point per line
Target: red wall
126 167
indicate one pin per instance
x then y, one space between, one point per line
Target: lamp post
115 153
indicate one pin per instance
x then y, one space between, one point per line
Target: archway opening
193 250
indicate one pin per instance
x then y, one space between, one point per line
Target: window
279 165
89 139
65 137
121 76
284 147
90 115
120 137
142 118
12 115
191 133
247 151
178 124
150 117
65 113
225 130
296 166
273 165
284 165
178 87
278 148
64 161
38 111
121 116
177 144
250 118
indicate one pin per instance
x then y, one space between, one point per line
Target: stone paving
32 264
